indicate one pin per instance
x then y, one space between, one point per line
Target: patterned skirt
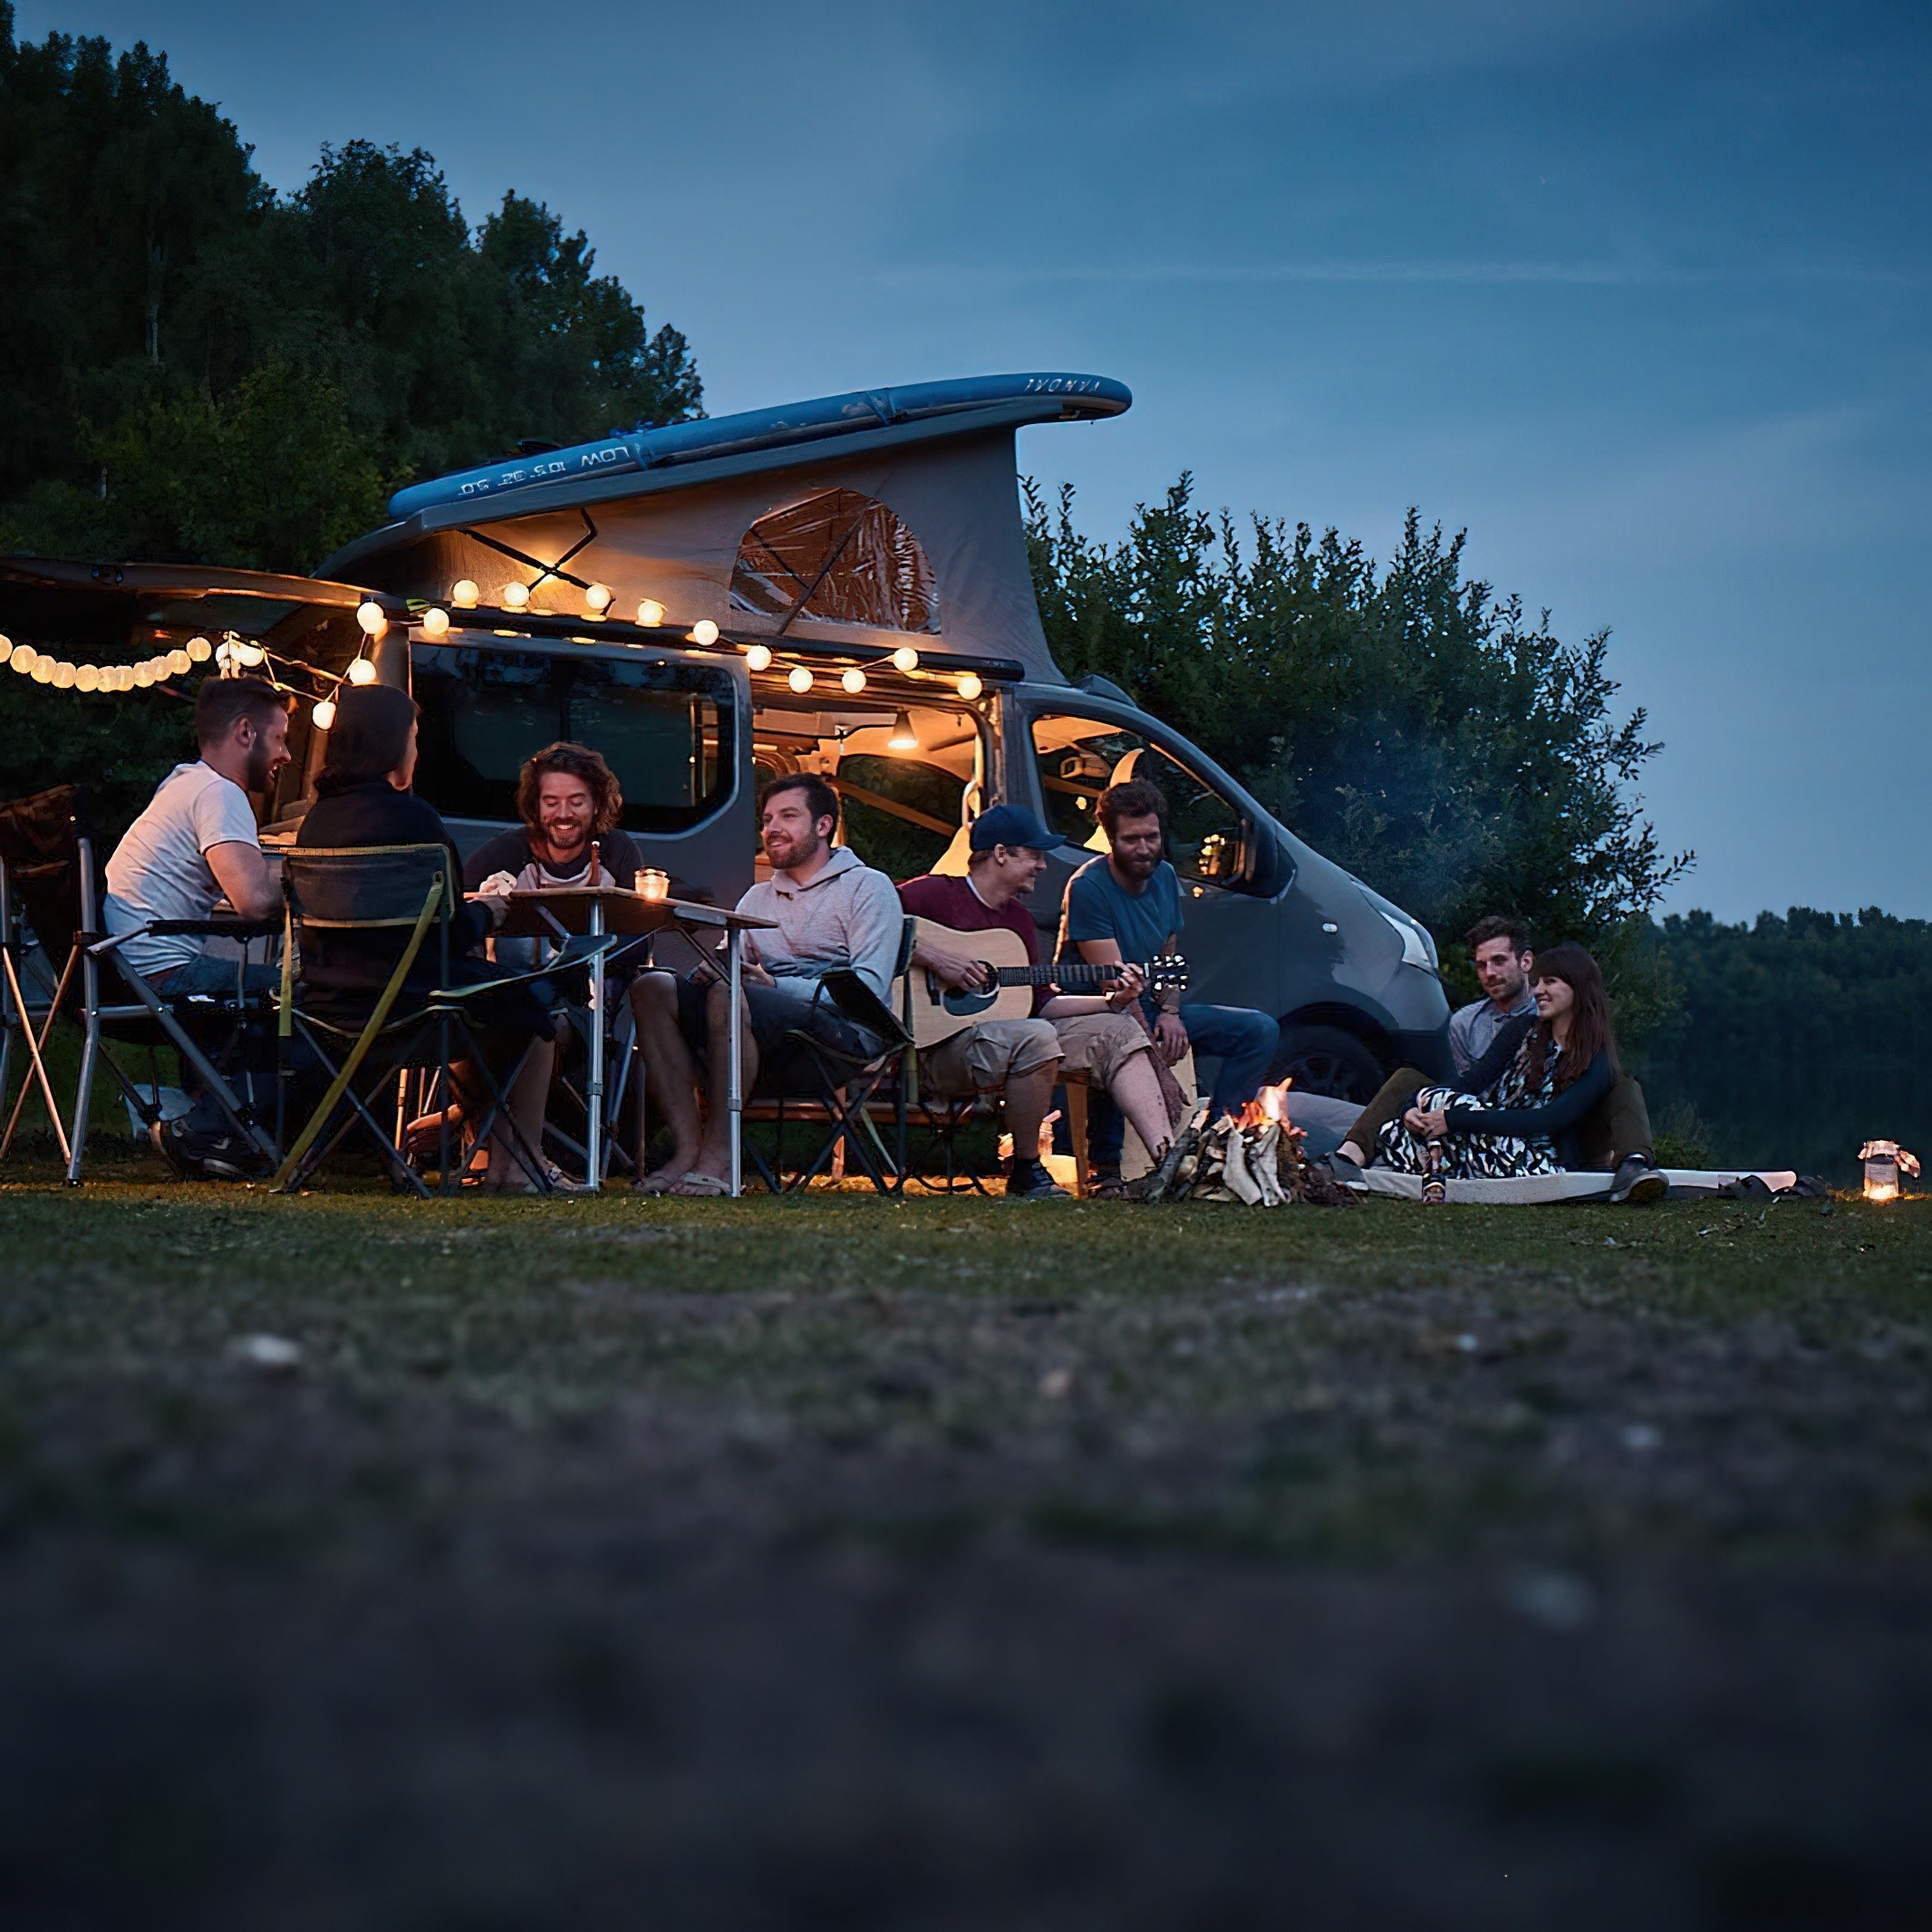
1465 1156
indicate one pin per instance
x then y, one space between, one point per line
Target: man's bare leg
1026 1095
1135 1089
714 1157
669 1071
528 1097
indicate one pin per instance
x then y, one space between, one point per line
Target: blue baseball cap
1010 824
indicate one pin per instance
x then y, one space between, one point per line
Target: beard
263 765
785 852
1137 867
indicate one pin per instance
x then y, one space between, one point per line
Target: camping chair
841 1087
40 907
63 891
396 889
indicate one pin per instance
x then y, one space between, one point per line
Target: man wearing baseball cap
1096 1034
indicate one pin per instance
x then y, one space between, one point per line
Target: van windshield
664 728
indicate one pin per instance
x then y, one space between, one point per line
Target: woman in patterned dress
1527 1122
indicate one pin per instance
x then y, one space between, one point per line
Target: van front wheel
1327 1061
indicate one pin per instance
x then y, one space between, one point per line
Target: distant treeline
1793 1039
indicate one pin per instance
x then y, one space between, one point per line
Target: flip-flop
696 1187
660 1182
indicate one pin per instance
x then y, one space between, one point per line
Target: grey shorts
775 1013
1100 1044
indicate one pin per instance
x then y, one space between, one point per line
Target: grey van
841 586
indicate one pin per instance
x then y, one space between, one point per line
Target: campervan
841 586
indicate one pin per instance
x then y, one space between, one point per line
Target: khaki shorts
1100 1044
983 1059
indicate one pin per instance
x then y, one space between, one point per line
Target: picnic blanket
1578 1185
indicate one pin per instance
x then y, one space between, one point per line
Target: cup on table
651 883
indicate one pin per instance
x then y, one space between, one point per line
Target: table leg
593 1094
735 1098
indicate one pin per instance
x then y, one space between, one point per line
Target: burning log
1253 1157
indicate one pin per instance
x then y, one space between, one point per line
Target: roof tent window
838 556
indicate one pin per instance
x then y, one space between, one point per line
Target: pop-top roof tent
869 520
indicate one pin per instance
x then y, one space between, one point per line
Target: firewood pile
1253 1157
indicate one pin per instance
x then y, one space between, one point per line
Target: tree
1406 721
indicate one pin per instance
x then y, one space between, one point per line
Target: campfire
1885 1161
1253 1157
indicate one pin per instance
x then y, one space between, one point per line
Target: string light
853 680
758 657
370 614
464 594
436 621
179 663
323 714
249 653
598 599
800 680
88 678
969 685
704 632
22 658
63 678
515 596
42 671
6 647
361 672
199 650
905 658
651 613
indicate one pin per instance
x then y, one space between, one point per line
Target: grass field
851 1564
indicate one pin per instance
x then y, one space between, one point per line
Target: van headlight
1418 944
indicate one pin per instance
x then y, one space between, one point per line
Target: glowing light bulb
370 614
515 596
650 612
969 685
63 678
323 714
464 594
904 737
6 647
361 672
23 659
758 657
853 680
436 621
800 680
249 655
43 670
179 663
224 652
905 658
598 599
199 650
704 632
143 676
87 678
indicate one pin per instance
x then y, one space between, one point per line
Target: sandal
700 1186
660 1182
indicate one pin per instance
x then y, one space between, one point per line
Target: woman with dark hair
363 798
1524 1119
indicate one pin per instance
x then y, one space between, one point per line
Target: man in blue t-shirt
1127 906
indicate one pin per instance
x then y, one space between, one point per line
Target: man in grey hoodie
831 911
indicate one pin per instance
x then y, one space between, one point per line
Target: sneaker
1637 1181
200 1156
1029 1180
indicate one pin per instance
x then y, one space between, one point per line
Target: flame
1270 1106
1885 1161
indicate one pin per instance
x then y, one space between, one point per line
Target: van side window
839 557
665 729
1078 757
900 813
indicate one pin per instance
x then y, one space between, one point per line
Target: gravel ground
505 1565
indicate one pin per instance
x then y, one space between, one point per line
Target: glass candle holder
651 883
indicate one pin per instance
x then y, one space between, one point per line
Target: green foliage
1408 722
194 368
1799 1037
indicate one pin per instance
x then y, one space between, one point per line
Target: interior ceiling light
904 737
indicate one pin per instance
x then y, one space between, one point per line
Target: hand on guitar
954 971
1170 1036
1123 992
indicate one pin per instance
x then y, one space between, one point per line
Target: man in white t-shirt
196 844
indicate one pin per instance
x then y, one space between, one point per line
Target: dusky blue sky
1636 292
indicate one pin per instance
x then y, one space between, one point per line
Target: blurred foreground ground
943 1565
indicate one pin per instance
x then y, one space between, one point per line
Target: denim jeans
1244 1040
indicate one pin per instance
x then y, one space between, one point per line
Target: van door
1228 873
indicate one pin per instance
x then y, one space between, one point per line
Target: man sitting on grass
1087 1033
831 912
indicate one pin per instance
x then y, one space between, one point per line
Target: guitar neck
1066 972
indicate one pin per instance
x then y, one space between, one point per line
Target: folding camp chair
363 1042
40 921
840 1086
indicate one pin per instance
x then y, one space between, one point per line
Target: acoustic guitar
938 1013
